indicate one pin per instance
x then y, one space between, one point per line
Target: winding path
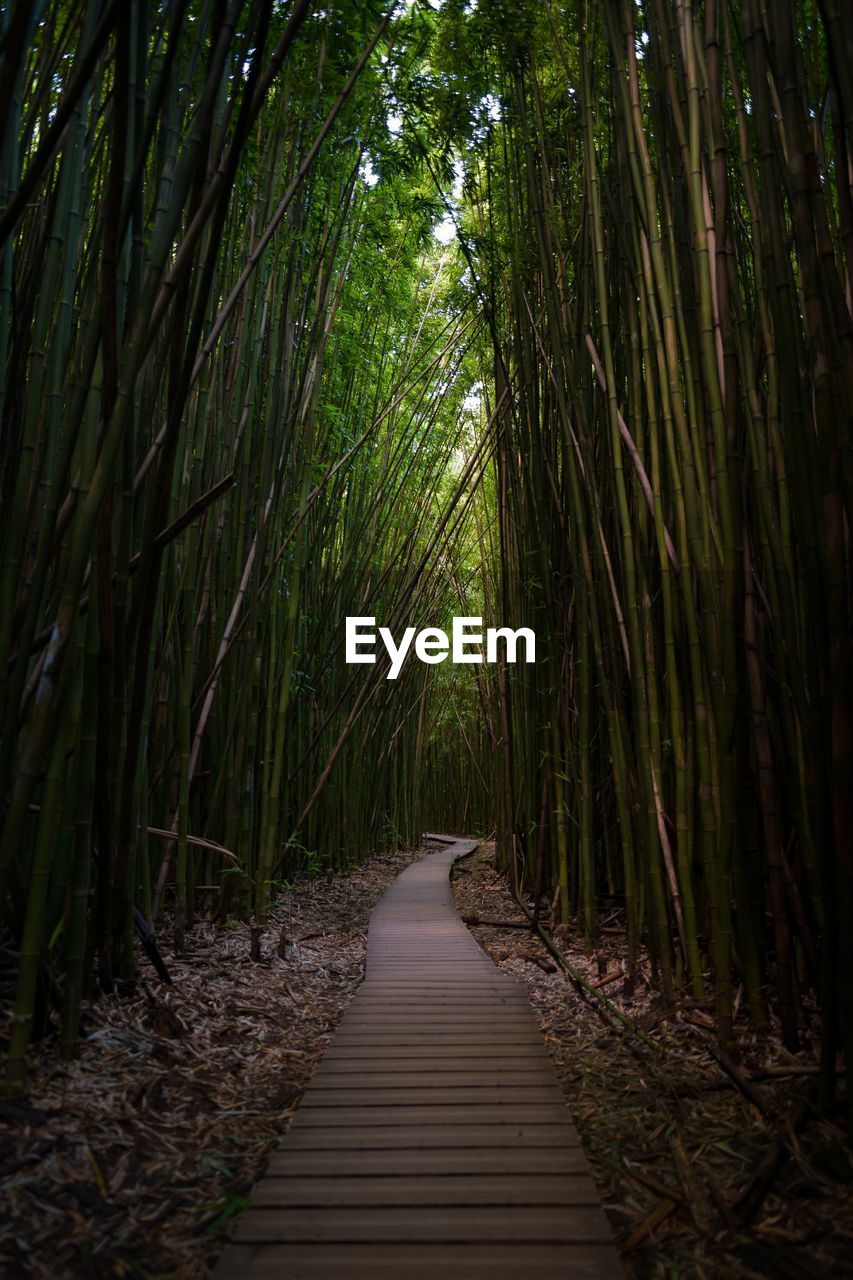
433 1142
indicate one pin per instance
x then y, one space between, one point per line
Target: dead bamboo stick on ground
754 1191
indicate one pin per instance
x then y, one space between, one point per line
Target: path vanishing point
433 1142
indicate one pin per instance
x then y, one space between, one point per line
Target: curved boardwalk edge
433 1140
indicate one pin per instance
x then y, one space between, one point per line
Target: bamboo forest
426 477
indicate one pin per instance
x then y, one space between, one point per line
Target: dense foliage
233 363
247 392
661 228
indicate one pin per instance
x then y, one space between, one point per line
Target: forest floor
671 1139
132 1160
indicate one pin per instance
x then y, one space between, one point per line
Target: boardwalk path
433 1142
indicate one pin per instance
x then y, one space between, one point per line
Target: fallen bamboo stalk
608 978
754 1191
486 922
649 1224
583 986
746 1087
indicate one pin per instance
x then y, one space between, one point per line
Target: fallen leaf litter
670 1138
132 1160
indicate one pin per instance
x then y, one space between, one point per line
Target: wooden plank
406 1136
507 1261
377 993
424 1051
419 1043
323 1117
414 1007
507 1095
451 1021
480 978
451 1015
440 1077
492 1000
466 979
403 1033
361 1164
406 965
512 1006
417 998
447 1023
432 1190
424 1043
447 1028
549 1224
415 972
470 1061
495 1031
415 990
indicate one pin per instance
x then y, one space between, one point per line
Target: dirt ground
132 1160
671 1139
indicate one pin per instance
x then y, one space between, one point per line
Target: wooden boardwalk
433 1142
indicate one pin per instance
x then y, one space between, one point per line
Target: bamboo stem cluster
662 223
231 373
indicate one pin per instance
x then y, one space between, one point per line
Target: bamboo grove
661 233
234 364
247 392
